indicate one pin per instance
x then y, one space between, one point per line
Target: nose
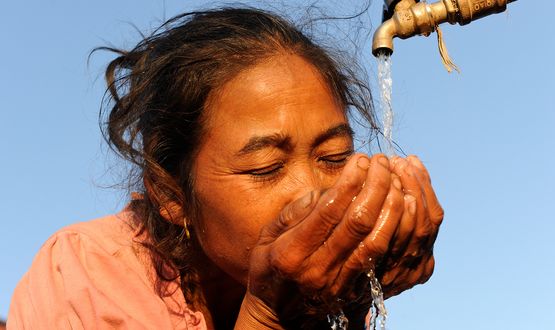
308 177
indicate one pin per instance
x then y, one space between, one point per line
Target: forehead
281 91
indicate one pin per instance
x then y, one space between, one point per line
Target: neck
221 294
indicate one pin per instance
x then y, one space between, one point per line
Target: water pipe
406 18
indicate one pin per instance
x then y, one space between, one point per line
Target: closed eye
336 161
265 173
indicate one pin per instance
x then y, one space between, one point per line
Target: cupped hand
410 259
320 245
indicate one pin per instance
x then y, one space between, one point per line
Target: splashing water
339 321
385 83
377 312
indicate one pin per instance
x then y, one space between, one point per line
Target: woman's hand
321 244
410 259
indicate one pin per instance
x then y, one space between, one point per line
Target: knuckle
331 214
357 262
358 224
437 215
425 277
314 279
284 262
404 232
378 245
422 233
407 230
286 216
396 201
420 237
396 250
430 265
380 183
336 290
389 277
350 181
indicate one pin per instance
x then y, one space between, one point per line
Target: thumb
291 215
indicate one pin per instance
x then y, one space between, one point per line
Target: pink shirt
94 275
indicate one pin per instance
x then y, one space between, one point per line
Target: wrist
255 314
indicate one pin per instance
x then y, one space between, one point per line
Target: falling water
377 313
385 83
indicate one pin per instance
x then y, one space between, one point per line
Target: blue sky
487 136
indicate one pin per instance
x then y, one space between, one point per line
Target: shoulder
112 232
95 273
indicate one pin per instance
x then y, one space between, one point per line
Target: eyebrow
257 143
341 130
283 142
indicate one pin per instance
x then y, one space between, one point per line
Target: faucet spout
383 38
411 17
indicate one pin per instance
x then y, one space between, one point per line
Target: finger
379 240
329 210
406 227
293 247
403 278
434 207
428 270
363 212
411 185
377 243
291 215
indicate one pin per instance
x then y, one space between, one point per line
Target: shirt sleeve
76 283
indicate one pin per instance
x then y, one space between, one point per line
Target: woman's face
274 133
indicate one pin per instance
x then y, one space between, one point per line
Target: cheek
230 222
233 211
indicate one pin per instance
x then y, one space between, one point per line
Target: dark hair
158 91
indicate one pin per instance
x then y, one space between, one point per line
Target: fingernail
393 160
397 183
407 168
401 165
307 199
384 161
363 163
412 204
415 161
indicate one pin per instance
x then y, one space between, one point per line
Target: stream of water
377 314
385 83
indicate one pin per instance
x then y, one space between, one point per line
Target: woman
254 211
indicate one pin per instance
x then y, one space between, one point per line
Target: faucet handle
389 7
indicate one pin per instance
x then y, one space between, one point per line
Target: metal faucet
406 18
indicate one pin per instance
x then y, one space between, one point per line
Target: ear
168 209
172 212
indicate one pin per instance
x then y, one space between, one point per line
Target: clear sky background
487 136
